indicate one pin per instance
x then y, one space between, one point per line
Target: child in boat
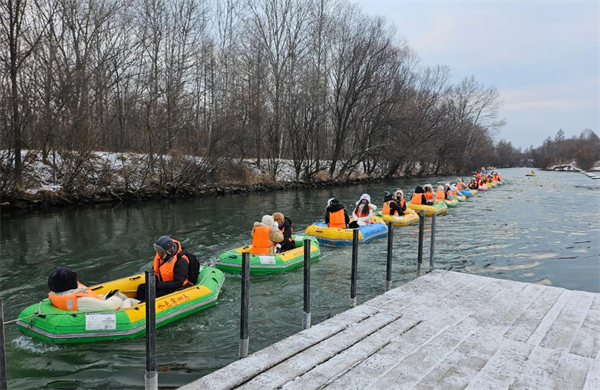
336 215
363 212
284 224
67 293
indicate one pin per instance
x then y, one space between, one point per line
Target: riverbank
62 180
43 200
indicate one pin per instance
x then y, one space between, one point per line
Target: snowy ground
117 172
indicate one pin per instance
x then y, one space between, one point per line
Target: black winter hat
62 279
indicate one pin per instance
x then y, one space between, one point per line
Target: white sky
543 56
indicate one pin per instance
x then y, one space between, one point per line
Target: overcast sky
543 56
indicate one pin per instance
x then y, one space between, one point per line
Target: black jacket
287 229
333 208
396 208
420 190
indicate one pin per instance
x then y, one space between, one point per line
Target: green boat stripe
118 332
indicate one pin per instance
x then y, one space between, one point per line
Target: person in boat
67 293
363 212
391 206
473 184
454 190
171 268
460 185
420 198
265 235
399 197
440 194
447 191
284 224
429 193
336 215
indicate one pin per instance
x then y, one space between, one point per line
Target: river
543 229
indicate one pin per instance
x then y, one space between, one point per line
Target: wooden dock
445 330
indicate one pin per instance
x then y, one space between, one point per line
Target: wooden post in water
354 267
420 254
388 272
432 247
3 380
306 313
151 378
244 340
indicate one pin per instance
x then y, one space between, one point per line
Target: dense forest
197 87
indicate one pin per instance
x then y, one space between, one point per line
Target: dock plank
587 340
569 321
444 330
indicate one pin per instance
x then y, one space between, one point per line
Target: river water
543 229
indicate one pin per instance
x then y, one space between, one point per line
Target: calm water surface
543 229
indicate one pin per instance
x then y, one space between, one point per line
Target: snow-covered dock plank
443 330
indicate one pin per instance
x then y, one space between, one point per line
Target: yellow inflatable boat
409 218
436 209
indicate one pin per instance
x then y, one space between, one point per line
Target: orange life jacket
337 219
164 271
416 198
429 195
455 192
460 185
69 302
386 207
440 194
261 240
499 177
365 212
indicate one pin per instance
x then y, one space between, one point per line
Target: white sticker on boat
299 238
100 321
267 260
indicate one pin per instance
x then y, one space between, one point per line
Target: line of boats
44 321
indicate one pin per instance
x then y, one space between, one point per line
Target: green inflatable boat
231 261
44 321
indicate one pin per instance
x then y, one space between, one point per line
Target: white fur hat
365 196
267 220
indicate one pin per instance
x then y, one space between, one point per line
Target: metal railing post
432 247
306 312
420 254
151 378
388 271
244 340
3 380
354 267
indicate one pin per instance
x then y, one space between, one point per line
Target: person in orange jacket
336 215
265 234
171 268
67 293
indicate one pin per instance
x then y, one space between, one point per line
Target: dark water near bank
543 229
